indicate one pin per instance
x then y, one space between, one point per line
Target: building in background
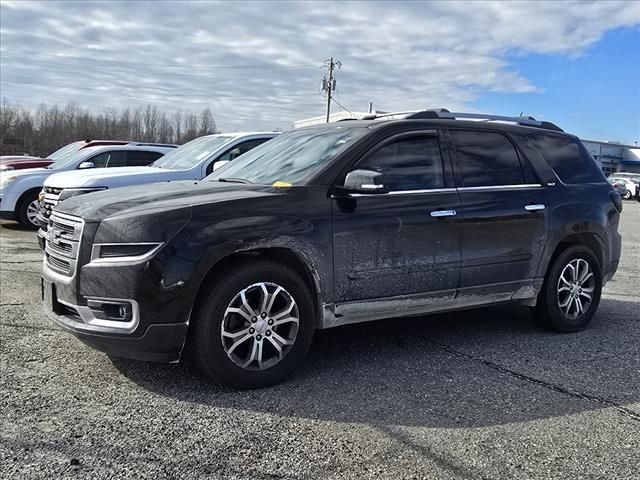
614 157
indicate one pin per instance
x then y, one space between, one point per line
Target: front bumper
157 343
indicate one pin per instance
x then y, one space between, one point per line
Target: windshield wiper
233 180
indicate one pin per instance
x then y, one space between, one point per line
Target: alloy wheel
260 326
32 213
575 288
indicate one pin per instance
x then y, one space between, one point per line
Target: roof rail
152 144
443 113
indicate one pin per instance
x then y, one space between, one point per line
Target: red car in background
15 162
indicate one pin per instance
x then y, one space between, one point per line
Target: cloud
257 64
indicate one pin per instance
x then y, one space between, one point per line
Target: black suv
334 224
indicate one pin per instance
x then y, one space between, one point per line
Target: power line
123 89
341 106
164 65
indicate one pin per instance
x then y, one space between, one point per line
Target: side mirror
365 181
219 163
84 165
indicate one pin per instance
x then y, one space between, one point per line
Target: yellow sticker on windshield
280 184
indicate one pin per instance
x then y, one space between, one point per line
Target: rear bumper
615 250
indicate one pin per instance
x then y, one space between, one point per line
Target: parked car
631 181
620 188
192 161
19 190
25 161
17 162
330 225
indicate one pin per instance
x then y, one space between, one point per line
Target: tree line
41 131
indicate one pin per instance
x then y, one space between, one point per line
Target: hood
127 201
26 172
11 159
102 177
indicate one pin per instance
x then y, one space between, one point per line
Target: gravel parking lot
477 394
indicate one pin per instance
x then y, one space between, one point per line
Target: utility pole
330 84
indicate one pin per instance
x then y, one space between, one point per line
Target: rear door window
568 157
413 163
488 159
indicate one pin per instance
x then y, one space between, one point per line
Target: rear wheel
27 210
571 292
627 195
253 326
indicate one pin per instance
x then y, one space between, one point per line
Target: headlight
123 252
4 181
74 192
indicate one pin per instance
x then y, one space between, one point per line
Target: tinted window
568 158
141 159
408 164
117 159
486 159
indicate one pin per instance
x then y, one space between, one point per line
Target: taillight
617 200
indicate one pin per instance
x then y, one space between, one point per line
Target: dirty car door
405 241
504 228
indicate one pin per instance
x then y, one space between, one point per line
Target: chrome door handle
443 213
534 208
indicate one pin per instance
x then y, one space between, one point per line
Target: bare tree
48 128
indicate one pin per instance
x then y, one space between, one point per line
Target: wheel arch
24 195
286 256
591 240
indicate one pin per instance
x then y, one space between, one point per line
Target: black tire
627 195
22 212
205 342
548 311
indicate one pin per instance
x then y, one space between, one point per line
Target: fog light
111 310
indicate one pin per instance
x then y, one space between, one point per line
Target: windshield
64 151
291 157
191 153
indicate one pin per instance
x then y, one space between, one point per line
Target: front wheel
627 195
571 292
253 326
28 210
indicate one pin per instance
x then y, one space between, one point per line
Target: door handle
534 208
443 213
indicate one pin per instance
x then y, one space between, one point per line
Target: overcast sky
257 65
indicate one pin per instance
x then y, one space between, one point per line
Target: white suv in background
19 189
631 182
192 161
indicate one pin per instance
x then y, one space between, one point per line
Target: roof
445 118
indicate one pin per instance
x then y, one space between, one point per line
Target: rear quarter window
569 159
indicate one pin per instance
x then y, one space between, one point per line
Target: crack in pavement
550 386
32 327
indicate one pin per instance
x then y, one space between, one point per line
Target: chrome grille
58 264
62 243
50 199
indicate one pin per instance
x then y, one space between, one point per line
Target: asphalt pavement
479 394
